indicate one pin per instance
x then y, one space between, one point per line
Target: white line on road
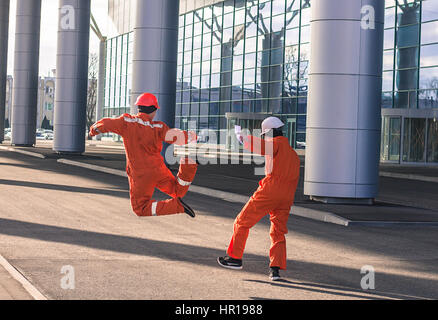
22 280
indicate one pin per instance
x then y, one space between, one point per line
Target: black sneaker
274 274
230 263
187 209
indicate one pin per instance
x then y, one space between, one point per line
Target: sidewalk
402 201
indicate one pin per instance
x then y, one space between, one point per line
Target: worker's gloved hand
94 131
240 136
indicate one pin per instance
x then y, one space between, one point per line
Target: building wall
240 57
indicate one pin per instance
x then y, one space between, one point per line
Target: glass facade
118 75
238 58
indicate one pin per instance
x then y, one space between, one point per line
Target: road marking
21 279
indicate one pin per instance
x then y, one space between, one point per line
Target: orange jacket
143 139
282 162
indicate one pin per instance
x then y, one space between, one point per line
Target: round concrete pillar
155 55
344 104
72 76
26 68
4 33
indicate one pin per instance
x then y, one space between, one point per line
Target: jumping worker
275 196
143 139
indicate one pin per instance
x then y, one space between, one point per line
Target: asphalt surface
55 216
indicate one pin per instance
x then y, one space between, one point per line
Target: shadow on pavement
342 278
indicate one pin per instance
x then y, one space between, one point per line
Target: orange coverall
275 196
143 140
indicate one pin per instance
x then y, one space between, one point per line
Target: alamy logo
67 21
68 280
368 281
368 17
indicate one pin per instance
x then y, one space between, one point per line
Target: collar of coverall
144 116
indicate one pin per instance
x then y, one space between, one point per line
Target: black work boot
187 209
274 274
230 263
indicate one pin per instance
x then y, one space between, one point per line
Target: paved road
54 216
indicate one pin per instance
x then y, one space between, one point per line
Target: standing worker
275 196
143 139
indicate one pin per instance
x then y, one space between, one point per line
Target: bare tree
93 70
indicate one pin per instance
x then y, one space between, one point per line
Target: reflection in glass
429 32
430 10
429 78
428 99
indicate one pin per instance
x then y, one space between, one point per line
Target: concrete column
4 32
155 55
72 76
26 68
344 105
101 83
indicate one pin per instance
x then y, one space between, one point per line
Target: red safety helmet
147 100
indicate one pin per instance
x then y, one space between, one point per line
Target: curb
27 153
408 176
22 280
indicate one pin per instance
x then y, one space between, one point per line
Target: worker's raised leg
177 187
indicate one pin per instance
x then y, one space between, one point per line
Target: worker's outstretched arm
178 137
115 125
258 146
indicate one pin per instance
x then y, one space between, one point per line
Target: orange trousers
142 187
267 200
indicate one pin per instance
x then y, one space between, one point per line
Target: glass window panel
249 76
188 44
408 36
216 52
188 57
407 58
206 54
189 18
197 42
187 71
429 32
239 17
251 45
405 99
390 18
278 7
228 20
194 109
206 69
428 99
414 140
196 70
432 140
407 79
408 13
305 34
216 66
228 6
292 36
429 78
250 60
203 110
429 55
206 40
215 80
389 39
197 55
278 23
265 10
388 60
205 81
305 16
227 35
430 10
238 62
387 100
388 81
237 78
197 29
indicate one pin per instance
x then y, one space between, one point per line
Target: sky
49 31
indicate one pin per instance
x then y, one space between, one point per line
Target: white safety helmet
271 123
